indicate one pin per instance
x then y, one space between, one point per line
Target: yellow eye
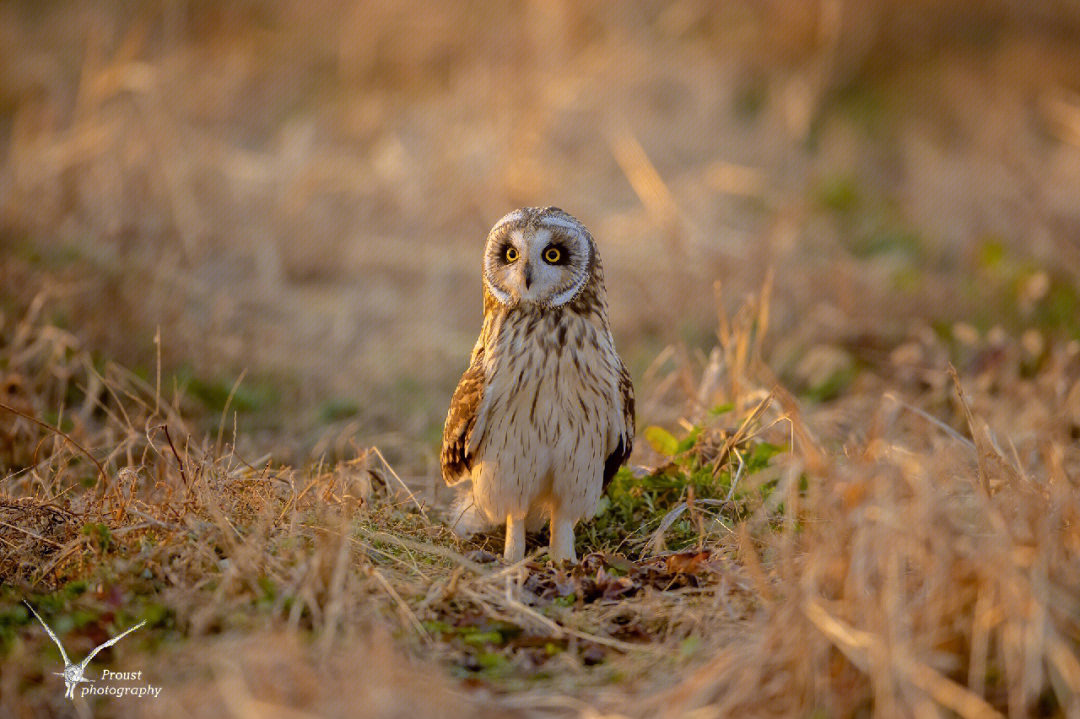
552 255
511 254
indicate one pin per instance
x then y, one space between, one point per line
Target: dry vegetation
237 273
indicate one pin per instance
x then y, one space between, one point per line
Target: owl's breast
552 379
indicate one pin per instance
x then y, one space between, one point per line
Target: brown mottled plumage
544 414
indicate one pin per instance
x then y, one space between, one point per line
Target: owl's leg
515 539
562 538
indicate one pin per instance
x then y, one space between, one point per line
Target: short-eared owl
544 414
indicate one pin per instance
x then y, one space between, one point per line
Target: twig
68 549
32 534
157 522
980 457
157 387
739 471
431 549
401 482
656 542
740 434
183 474
225 411
132 528
559 628
405 610
65 435
930 418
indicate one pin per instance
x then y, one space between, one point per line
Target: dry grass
909 569
234 247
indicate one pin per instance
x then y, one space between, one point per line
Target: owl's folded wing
625 442
461 420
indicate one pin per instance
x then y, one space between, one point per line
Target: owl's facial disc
539 258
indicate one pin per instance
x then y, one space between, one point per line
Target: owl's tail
466 519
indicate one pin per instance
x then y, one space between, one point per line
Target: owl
544 414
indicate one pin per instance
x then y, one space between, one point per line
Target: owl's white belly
548 428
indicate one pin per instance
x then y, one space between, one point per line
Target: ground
239 277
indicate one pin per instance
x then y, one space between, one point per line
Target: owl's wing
624 443
461 420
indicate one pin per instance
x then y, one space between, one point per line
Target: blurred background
298 192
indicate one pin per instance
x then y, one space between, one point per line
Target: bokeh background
297 192
239 250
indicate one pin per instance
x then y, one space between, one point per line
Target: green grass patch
338 409
634 507
214 393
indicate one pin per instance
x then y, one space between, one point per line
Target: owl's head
540 256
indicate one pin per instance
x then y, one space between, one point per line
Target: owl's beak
528 275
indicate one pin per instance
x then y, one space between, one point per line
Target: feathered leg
515 538
562 538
